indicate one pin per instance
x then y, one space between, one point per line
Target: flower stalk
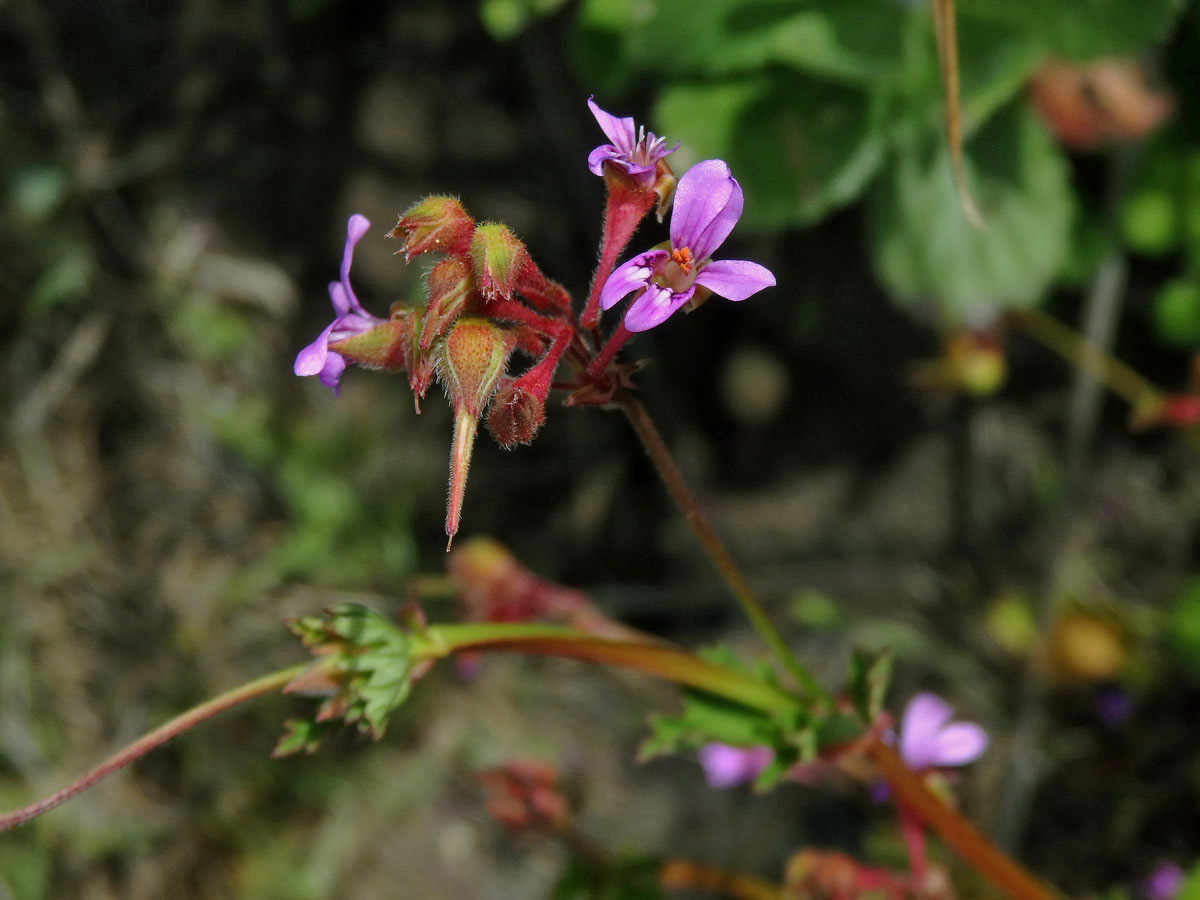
183 722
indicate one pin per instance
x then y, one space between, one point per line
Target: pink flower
1163 883
708 203
929 740
351 319
725 766
633 149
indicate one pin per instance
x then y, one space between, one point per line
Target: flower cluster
486 298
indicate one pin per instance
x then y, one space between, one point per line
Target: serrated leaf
925 252
300 735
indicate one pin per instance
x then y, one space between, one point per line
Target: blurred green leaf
923 248
68 278
1183 624
505 19
1083 29
626 878
852 40
870 675
1177 312
800 148
37 192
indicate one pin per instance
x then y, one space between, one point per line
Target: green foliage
1177 312
870 675
924 249
800 147
1085 29
505 19
626 878
365 666
1183 625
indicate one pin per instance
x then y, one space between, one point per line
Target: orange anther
683 258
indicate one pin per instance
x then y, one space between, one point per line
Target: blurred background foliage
175 182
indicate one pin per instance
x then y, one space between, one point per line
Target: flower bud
499 258
435 225
447 288
472 361
515 416
386 346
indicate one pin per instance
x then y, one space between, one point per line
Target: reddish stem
614 343
626 206
957 832
156 738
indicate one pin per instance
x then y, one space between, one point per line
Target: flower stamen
683 259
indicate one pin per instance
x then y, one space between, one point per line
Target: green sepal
870 675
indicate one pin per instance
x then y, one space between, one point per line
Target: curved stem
659 660
157 737
712 544
957 832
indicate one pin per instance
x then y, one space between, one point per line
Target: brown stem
157 737
946 34
957 832
682 874
718 554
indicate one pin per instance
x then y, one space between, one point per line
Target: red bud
435 225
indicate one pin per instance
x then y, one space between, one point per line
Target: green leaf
625 878
1177 312
800 148
853 40
506 19
924 250
1083 29
1183 624
300 735
870 675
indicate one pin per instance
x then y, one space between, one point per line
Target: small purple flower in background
633 149
1163 883
1113 705
708 203
929 740
726 766
351 319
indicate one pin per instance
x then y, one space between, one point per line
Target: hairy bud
435 225
499 258
515 416
448 288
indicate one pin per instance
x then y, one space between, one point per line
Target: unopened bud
447 288
499 258
515 416
435 225
664 187
386 346
472 361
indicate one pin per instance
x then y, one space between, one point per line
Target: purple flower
1113 705
351 319
708 203
929 740
1163 882
726 766
635 150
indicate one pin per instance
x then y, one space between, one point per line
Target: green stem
655 659
1119 378
712 544
157 737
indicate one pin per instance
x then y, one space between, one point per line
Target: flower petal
958 744
708 203
311 360
726 766
335 364
356 227
337 296
923 717
621 131
629 277
734 279
654 306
